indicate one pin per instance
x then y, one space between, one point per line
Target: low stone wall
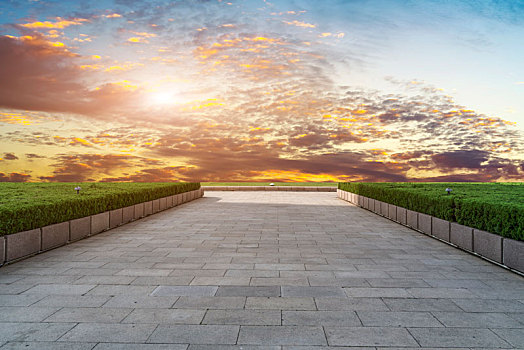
271 188
504 251
23 244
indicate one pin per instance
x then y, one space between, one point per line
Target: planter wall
23 244
505 251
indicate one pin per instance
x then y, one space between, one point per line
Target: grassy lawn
24 206
493 207
323 184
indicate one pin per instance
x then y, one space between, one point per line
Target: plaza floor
260 270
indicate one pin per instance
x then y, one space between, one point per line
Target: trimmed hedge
492 207
25 206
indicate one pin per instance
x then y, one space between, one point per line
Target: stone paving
260 270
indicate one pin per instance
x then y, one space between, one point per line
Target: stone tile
281 335
221 281
104 280
488 244
404 304
19 300
197 291
47 346
489 305
55 235
457 337
210 303
278 303
140 302
320 318
251 273
369 336
233 347
109 332
243 317
23 332
165 316
121 290
237 291
166 281
398 319
195 334
441 293
351 304
378 292
22 244
25 314
476 320
256 281
72 301
295 291
60 289
513 254
398 282
513 336
78 314
147 272
129 346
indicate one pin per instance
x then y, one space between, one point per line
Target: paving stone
243 317
160 280
234 347
281 335
320 318
241 291
195 334
405 304
109 332
378 292
458 337
489 305
296 291
47 346
60 289
25 314
513 336
441 293
210 303
140 302
121 290
398 319
221 281
366 336
129 346
71 301
19 300
278 303
476 319
22 331
351 304
165 316
78 314
163 291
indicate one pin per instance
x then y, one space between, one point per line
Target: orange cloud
300 24
60 23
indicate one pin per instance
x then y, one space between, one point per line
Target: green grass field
493 207
323 184
24 206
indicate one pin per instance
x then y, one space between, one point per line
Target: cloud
59 23
34 156
14 177
10 156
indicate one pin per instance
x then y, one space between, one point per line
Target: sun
163 98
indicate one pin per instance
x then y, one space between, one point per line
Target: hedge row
25 206
492 207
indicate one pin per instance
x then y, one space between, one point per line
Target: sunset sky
354 90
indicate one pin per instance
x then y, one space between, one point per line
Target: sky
260 90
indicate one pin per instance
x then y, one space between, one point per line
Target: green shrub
25 206
493 207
